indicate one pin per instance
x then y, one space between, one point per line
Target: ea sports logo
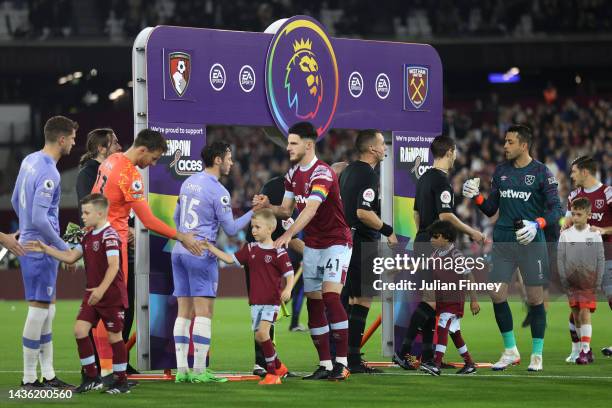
246 78
217 77
383 86
355 84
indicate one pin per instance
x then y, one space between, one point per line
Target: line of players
311 185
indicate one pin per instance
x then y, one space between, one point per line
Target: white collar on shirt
262 246
594 188
306 168
97 231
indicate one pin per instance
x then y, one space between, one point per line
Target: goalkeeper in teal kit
525 193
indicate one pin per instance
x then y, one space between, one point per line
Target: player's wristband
386 230
479 199
541 222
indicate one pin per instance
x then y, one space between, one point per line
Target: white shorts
263 312
606 283
444 319
325 265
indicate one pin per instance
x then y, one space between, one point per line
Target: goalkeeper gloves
529 231
470 188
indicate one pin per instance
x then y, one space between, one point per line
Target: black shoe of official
132 383
320 373
409 362
467 369
118 388
89 384
430 368
339 373
363 368
36 385
57 383
131 370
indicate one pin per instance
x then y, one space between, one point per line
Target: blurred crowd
120 19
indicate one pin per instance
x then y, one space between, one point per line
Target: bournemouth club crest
417 85
180 71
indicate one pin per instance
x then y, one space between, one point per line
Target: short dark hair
443 228
581 203
441 145
214 150
305 130
365 138
524 133
96 138
96 199
152 140
58 126
586 163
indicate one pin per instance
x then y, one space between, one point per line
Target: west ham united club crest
416 86
529 179
599 204
180 70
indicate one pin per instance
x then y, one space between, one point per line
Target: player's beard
298 158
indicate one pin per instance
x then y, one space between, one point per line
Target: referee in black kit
434 200
359 185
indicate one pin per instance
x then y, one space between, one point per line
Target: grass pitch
232 351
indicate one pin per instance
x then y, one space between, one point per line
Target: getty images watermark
432 273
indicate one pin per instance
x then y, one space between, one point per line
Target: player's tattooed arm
68 256
553 202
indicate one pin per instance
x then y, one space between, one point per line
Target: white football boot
536 363
508 358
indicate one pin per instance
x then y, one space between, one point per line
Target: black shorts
360 277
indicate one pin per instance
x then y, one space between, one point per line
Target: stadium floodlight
116 94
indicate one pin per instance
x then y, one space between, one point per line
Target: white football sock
31 341
586 331
181 343
201 342
46 346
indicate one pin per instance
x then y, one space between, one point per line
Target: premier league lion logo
303 82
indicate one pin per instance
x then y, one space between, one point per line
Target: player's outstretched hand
34 246
478 237
10 242
392 241
474 308
260 201
526 234
190 243
470 188
96 295
283 241
286 295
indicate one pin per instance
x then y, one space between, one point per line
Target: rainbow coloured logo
302 75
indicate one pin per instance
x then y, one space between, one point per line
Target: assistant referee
434 200
359 190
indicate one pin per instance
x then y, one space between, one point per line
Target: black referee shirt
359 190
275 190
434 195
